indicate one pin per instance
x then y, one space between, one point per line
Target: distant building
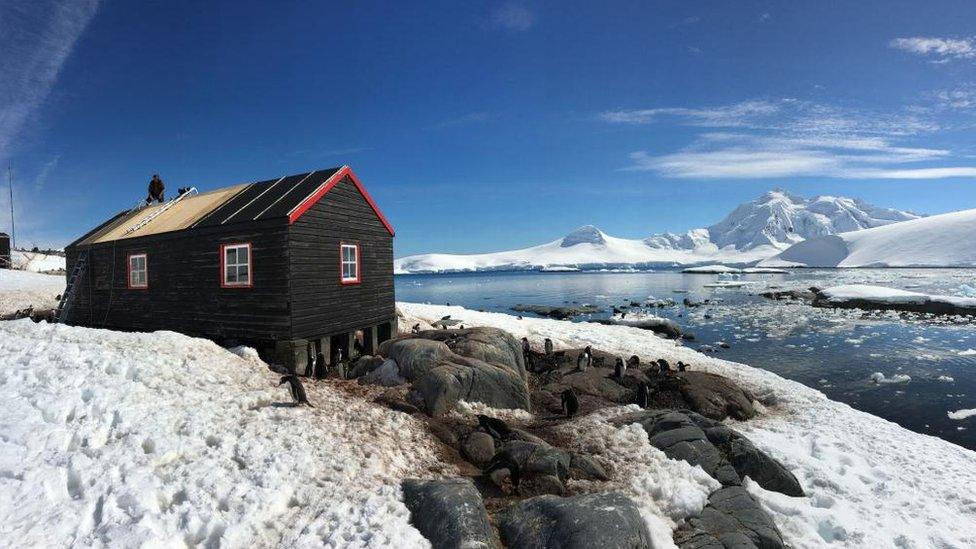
5 259
296 266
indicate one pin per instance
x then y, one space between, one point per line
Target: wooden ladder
146 220
77 273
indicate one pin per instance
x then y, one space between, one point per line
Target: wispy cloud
941 50
963 97
36 38
468 119
513 17
790 138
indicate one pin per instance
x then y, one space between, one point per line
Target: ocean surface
928 364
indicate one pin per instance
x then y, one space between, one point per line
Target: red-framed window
350 265
236 265
137 268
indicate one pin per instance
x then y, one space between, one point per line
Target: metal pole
13 229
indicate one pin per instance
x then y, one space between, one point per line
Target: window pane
230 274
242 274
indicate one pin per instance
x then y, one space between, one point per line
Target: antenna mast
13 230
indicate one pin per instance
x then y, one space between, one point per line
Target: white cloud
513 17
36 38
963 98
790 138
943 49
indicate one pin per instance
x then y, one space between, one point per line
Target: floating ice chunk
962 414
878 377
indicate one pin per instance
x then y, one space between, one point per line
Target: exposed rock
721 452
445 366
608 520
802 295
587 467
664 326
538 459
732 518
364 365
559 313
449 513
478 448
715 396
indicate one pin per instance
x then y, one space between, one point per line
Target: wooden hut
298 266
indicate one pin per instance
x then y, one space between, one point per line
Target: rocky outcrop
732 518
721 452
608 520
662 326
559 313
445 366
449 513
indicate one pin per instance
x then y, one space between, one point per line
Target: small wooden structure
297 266
5 256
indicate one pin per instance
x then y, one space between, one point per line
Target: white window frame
144 284
356 263
248 264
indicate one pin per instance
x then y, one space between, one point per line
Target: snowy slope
870 483
36 261
111 439
753 231
22 289
947 240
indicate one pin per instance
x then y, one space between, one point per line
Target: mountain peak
587 234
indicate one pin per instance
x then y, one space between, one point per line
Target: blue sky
482 126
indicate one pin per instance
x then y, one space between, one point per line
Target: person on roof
156 189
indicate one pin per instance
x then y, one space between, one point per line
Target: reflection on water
832 350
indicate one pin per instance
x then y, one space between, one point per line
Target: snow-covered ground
112 439
869 482
21 289
36 261
947 240
753 231
882 294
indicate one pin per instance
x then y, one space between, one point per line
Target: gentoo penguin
570 403
664 365
643 395
495 427
633 362
618 368
296 388
682 366
548 346
503 460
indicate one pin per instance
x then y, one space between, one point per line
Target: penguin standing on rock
296 388
633 362
497 428
570 403
682 366
618 368
643 395
664 365
548 347
503 460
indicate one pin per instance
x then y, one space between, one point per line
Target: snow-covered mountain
946 240
753 231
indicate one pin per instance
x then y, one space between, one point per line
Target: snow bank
37 262
870 482
885 295
21 289
161 440
938 241
711 269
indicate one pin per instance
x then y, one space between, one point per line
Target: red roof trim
327 186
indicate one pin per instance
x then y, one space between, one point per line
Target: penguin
682 366
527 353
570 403
497 428
664 365
296 388
415 329
579 362
643 395
633 362
587 357
548 346
503 460
446 317
618 368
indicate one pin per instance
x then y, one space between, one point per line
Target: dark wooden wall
185 293
4 251
322 306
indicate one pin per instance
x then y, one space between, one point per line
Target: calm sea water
833 351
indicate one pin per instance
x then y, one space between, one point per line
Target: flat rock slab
732 519
449 513
559 313
607 521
